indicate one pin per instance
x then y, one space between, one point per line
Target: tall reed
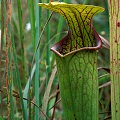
114 7
37 75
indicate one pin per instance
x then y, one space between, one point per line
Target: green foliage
33 74
1 118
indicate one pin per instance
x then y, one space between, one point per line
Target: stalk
18 80
19 3
10 77
48 41
32 20
1 43
37 74
24 109
8 59
114 7
33 31
48 53
76 59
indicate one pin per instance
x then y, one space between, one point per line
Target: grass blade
48 42
19 3
18 80
48 52
37 73
48 89
32 19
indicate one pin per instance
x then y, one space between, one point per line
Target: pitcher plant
76 58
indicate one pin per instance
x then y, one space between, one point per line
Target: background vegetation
28 79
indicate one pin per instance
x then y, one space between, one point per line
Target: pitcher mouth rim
97 47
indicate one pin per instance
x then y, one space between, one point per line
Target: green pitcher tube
76 58
79 85
78 77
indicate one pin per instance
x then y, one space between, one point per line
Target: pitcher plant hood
81 33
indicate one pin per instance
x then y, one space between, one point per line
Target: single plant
76 57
